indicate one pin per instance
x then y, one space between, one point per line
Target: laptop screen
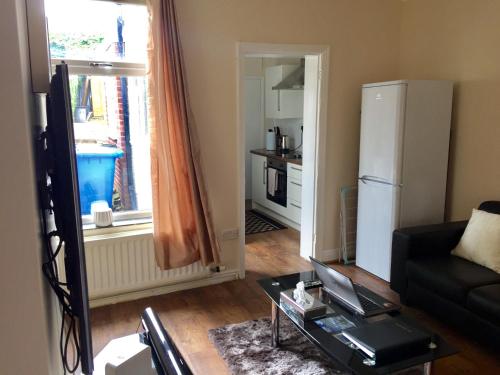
337 284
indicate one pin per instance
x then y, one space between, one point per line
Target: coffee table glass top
340 352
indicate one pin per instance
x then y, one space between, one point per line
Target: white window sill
119 228
128 221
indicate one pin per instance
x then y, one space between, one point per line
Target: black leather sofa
425 274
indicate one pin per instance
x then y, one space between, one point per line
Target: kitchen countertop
272 154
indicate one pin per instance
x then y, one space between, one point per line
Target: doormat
256 222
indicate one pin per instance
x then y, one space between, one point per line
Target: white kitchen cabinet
259 176
281 104
294 192
293 210
294 171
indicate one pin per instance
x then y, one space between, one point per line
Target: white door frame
262 133
315 112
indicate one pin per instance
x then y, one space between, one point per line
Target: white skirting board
169 287
122 267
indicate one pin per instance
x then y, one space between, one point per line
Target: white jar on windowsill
102 214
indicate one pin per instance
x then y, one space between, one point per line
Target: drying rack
348 222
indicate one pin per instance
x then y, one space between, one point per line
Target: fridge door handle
366 178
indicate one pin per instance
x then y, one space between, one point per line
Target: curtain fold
183 229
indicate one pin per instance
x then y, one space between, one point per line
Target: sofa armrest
408 243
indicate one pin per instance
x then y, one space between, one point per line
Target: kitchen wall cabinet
259 179
282 104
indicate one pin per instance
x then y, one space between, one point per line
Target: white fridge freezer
404 145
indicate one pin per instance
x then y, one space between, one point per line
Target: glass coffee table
339 351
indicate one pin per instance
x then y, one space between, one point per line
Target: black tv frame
167 358
66 206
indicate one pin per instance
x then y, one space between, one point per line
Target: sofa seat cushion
449 276
485 302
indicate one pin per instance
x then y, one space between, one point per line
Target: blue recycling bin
96 173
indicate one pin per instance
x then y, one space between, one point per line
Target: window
104 45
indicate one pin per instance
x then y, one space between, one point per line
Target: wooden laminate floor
188 315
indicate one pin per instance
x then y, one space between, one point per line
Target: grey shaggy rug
246 349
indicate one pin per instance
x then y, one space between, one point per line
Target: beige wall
439 39
28 343
459 40
363 36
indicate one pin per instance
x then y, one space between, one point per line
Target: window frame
130 2
111 69
101 67
41 83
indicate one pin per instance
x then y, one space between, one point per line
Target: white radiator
126 263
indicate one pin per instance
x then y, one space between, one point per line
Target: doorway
282 155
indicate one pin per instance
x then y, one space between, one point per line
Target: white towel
272 181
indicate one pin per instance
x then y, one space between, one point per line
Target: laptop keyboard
367 304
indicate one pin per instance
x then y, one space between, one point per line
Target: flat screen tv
66 209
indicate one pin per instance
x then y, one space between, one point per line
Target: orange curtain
183 229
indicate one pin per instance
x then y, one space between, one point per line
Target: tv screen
66 207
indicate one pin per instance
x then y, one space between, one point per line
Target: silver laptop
355 297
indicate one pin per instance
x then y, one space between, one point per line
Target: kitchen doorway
282 93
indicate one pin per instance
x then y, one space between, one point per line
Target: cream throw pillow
480 242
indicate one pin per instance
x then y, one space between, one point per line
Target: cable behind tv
53 243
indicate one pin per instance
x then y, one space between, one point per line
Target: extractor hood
293 81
